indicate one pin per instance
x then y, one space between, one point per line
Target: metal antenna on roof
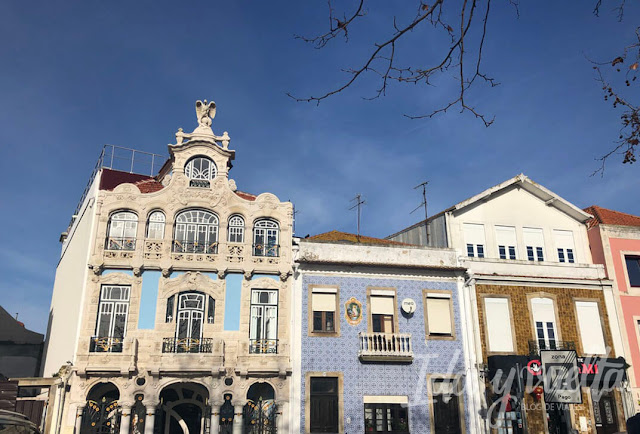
359 203
424 203
295 213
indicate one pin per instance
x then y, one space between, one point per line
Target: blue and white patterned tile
341 354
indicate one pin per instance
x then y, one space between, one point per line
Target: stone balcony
159 253
108 356
174 356
385 347
263 357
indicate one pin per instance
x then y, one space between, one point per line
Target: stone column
150 420
215 418
125 419
78 424
282 418
237 418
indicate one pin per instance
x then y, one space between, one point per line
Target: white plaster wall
519 208
68 288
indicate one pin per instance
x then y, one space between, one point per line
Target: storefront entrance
604 412
558 418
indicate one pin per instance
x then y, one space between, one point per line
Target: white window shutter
499 329
439 315
590 327
382 305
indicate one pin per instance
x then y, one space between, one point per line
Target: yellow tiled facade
564 302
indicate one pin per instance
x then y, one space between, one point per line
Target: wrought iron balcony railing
385 346
120 243
541 344
105 344
195 247
187 345
272 250
263 346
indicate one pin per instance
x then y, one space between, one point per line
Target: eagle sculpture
205 111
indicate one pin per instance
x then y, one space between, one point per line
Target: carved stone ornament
285 275
193 280
117 278
205 111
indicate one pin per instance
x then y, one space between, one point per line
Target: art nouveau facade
381 331
172 300
533 287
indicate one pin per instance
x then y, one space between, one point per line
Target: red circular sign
534 367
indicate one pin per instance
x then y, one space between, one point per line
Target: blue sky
77 75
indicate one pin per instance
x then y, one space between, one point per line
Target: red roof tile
149 186
244 195
345 237
110 179
604 216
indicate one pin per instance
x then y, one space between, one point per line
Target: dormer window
200 171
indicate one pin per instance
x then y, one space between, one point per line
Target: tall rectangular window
111 325
633 270
323 309
590 327
544 318
534 242
474 239
388 414
323 405
382 311
498 319
564 245
506 241
446 406
438 318
263 326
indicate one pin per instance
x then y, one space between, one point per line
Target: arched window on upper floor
121 234
196 232
193 309
266 237
200 171
155 226
236 229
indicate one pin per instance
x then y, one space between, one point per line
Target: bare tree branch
629 138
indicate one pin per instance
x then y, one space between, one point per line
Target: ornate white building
171 306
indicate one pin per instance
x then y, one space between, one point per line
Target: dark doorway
183 409
260 411
604 412
323 404
558 418
446 406
101 414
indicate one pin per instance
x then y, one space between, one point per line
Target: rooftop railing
122 159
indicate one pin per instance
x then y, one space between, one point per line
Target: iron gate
260 417
101 417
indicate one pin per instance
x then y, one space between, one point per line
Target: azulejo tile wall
340 354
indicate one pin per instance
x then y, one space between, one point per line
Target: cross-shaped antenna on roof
358 204
295 213
424 203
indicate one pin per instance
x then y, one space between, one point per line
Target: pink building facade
615 242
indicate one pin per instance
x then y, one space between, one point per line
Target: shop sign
560 377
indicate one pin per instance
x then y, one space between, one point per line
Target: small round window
200 171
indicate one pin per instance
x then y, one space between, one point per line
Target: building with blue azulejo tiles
381 326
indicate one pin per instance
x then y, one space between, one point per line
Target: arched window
200 171
266 238
190 317
155 227
236 229
196 232
122 231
